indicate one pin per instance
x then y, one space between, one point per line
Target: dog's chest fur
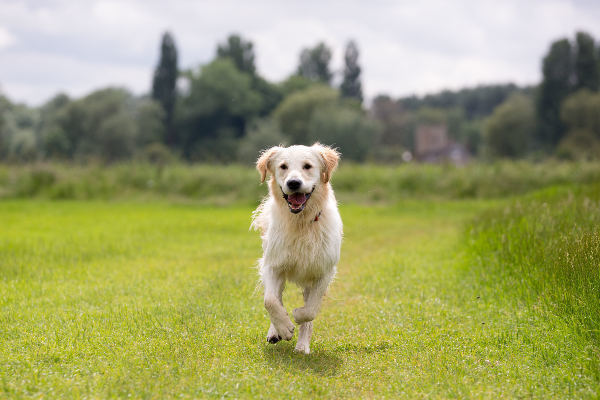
302 249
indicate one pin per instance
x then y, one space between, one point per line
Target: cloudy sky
406 46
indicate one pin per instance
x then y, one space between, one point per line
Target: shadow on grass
318 361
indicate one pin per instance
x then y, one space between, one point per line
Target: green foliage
239 184
475 102
581 114
349 130
23 145
510 128
164 84
262 135
212 118
587 62
579 144
581 111
294 83
101 125
219 104
240 51
351 86
295 112
149 116
157 154
471 135
18 125
566 68
54 140
314 64
555 87
397 124
115 137
271 95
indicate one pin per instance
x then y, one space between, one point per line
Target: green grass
159 299
545 250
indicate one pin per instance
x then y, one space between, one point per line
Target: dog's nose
294 184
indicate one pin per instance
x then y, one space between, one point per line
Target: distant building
433 145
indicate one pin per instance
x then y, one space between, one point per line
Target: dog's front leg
280 321
313 297
304 335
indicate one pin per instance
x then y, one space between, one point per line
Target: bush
240 184
579 144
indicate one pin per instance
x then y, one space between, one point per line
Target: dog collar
317 217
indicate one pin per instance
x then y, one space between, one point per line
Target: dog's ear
263 164
330 158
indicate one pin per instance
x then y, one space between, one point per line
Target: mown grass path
159 300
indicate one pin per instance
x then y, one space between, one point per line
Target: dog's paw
303 348
273 336
286 330
302 315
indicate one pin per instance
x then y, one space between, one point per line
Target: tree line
225 111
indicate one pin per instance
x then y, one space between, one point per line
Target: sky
406 47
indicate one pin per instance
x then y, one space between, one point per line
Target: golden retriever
301 232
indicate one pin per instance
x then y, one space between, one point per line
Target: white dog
301 230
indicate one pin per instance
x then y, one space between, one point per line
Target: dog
301 231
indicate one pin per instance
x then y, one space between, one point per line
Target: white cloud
6 39
406 47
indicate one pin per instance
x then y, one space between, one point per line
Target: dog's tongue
297 199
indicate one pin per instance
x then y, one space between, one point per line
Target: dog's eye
307 166
283 166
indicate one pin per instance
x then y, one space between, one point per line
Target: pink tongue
297 199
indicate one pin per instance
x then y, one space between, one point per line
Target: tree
557 83
148 119
587 74
295 111
164 84
395 122
5 107
295 83
262 134
314 63
351 86
346 128
581 113
240 51
101 126
54 141
509 129
214 113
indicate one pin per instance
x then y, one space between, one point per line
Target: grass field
156 300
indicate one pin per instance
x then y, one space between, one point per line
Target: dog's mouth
296 201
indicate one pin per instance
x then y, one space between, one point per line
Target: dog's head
298 171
